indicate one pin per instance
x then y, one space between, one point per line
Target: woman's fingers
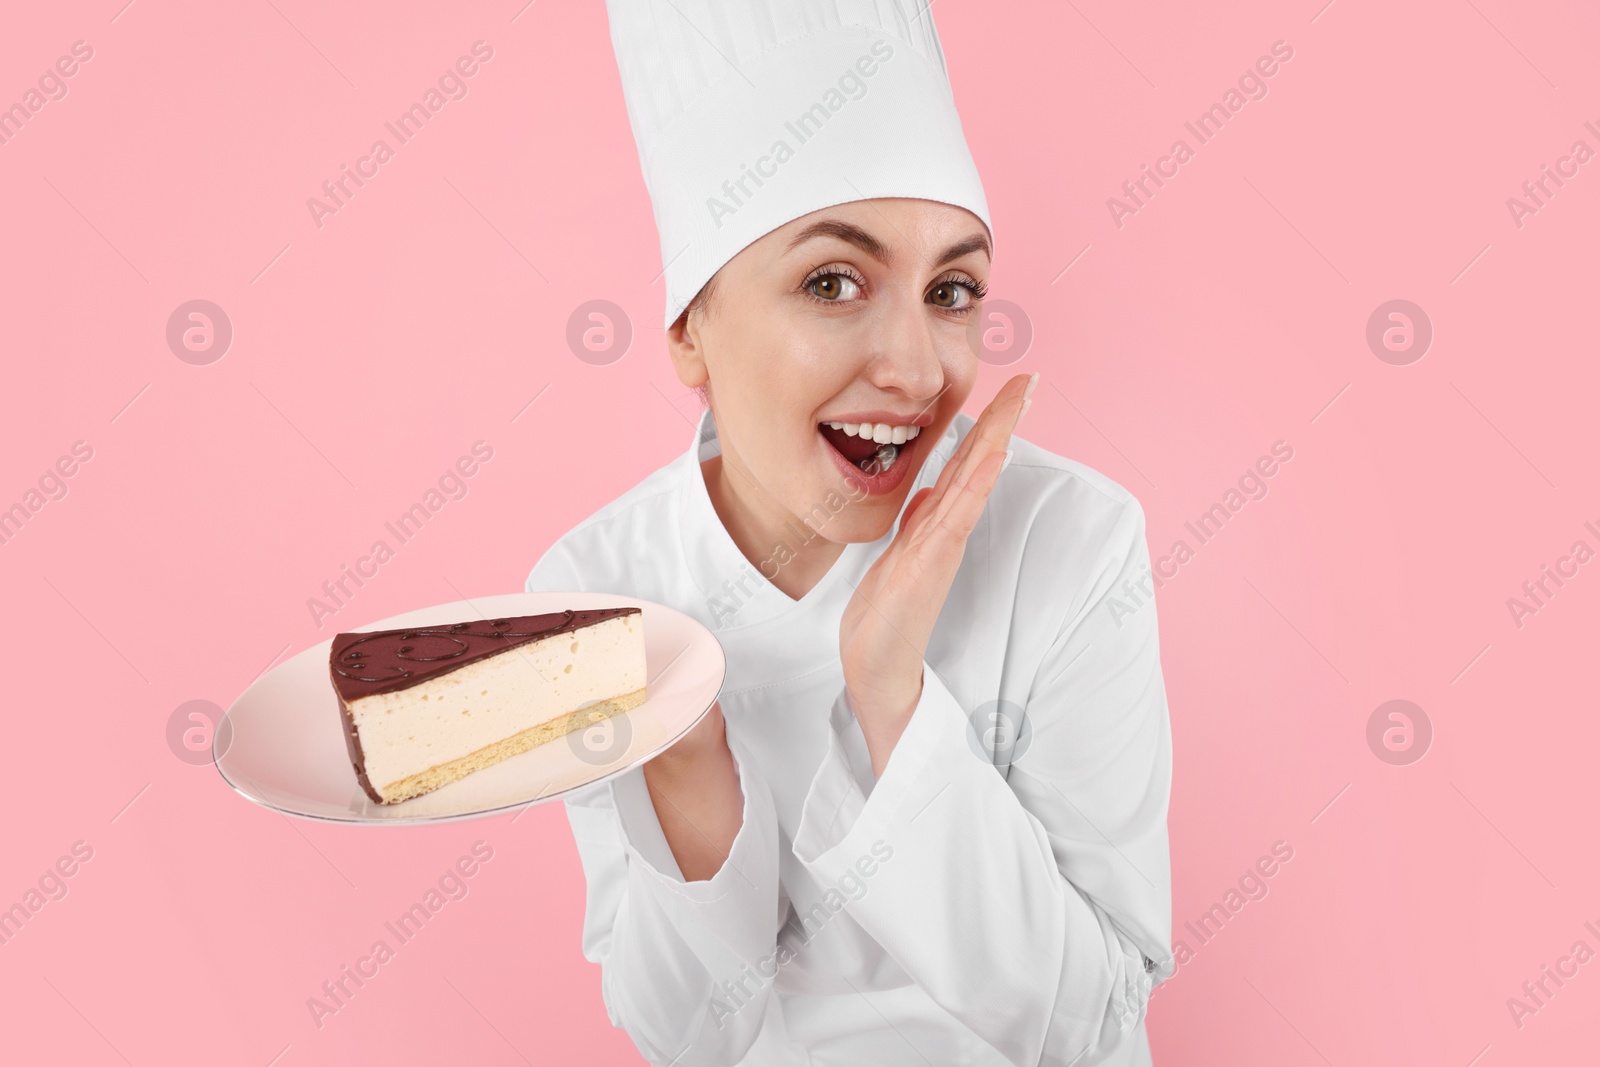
955 470
963 505
886 626
985 430
913 504
988 438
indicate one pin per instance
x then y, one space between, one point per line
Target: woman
925 821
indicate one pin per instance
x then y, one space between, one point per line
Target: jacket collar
736 592
769 635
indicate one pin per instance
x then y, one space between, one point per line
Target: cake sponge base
444 773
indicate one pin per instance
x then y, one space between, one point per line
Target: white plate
282 743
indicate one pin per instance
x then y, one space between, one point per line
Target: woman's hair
702 304
702 299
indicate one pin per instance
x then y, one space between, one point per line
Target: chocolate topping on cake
384 661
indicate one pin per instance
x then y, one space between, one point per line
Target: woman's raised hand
887 624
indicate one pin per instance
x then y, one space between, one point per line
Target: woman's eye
833 287
950 295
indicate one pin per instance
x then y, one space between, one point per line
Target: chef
925 820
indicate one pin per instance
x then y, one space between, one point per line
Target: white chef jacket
1009 908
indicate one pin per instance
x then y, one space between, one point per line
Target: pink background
1229 313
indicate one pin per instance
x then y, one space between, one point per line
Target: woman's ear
687 349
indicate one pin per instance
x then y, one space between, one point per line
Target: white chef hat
751 113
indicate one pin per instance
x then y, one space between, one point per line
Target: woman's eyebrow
875 248
976 243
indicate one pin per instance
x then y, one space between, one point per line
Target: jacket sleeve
681 963
1034 906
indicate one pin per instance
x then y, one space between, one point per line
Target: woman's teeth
873 447
879 432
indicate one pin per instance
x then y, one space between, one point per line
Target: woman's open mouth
872 456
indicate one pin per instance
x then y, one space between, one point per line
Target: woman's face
861 313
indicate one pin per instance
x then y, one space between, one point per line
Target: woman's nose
907 358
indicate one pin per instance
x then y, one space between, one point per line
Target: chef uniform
1001 895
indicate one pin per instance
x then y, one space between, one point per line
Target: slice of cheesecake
427 705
